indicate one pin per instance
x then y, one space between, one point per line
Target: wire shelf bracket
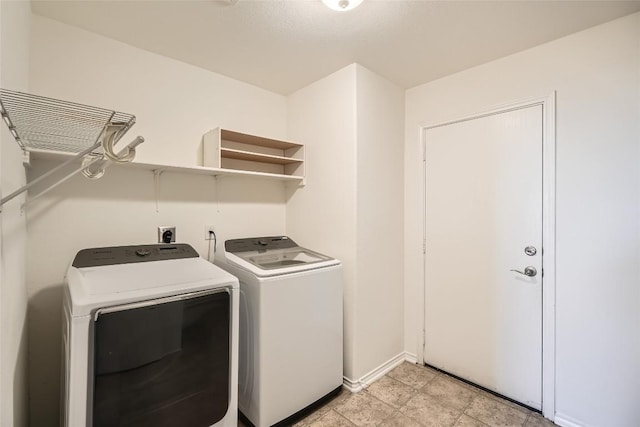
48 124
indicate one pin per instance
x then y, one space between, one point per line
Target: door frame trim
548 104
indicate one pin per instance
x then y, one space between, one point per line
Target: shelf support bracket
26 159
47 174
156 187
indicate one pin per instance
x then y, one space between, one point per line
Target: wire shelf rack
40 123
48 124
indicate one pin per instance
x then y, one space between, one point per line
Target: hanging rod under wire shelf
40 123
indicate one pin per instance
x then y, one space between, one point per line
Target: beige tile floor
415 396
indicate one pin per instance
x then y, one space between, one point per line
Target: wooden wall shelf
234 151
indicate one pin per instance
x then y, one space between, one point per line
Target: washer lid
275 270
271 256
280 258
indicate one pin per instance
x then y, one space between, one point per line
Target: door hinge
424 246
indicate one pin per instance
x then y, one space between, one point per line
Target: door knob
528 271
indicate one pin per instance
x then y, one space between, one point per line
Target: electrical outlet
166 234
208 232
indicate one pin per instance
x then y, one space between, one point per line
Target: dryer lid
115 255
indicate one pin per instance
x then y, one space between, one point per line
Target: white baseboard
564 421
352 386
410 357
355 386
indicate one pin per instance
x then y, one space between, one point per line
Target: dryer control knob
143 252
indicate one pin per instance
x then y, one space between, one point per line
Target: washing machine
150 338
291 348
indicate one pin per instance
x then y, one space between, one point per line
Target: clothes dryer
150 338
290 327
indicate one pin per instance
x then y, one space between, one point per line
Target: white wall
597 77
380 106
351 206
322 215
175 104
15 21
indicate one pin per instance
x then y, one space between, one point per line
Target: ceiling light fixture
342 5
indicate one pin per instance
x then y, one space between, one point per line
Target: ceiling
284 45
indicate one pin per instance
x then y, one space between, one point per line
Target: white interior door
483 322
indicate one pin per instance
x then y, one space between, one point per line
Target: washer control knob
262 243
143 252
